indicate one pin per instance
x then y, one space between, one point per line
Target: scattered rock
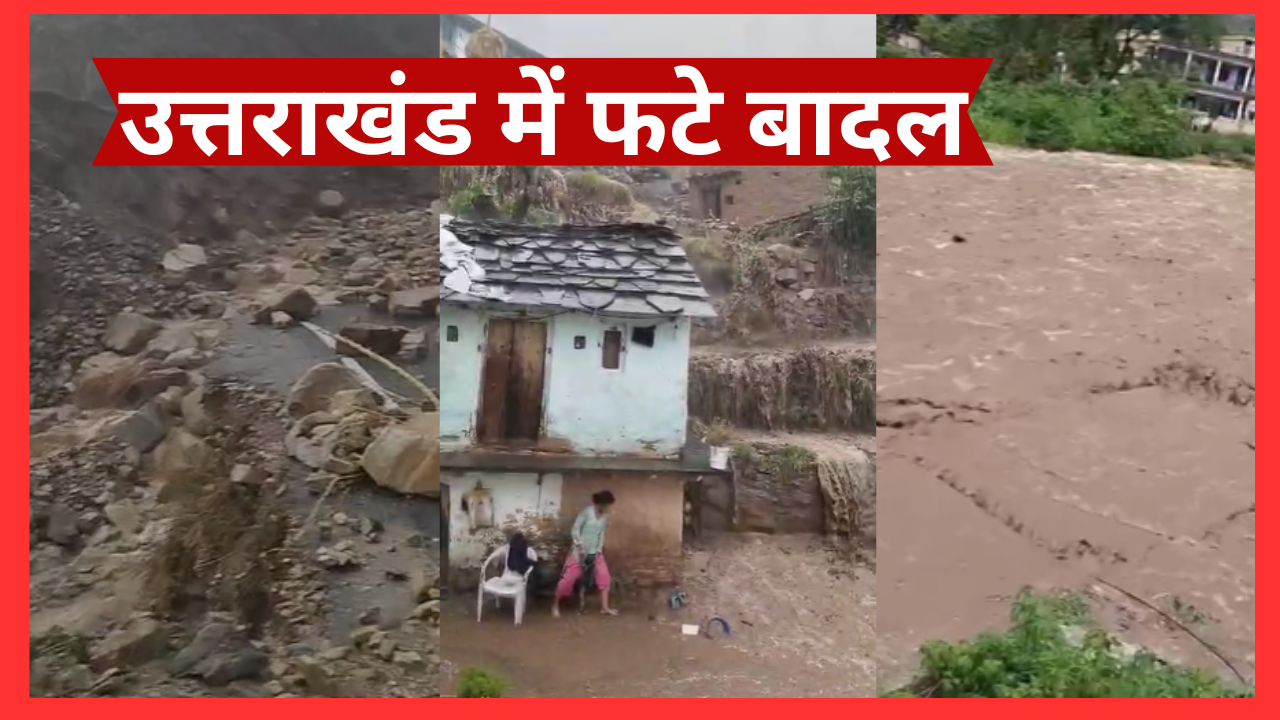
129 332
181 459
407 658
317 678
137 642
195 416
185 359
339 557
62 525
363 635
296 302
312 446
385 340
329 203
429 611
245 474
424 587
189 335
124 515
281 320
185 260
346 402
104 380
140 429
423 302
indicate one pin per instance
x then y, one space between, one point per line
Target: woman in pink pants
586 560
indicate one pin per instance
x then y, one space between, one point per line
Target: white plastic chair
507 585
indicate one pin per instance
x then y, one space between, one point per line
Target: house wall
527 502
640 408
645 542
646 533
763 193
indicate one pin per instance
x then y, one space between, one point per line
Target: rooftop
632 270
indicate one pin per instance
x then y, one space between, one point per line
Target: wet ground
802 624
1066 368
273 359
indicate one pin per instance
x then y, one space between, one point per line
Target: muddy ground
1065 397
802 623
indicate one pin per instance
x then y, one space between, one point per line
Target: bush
1035 659
1131 117
479 683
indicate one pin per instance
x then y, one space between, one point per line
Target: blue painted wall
640 408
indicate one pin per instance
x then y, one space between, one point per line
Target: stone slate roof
625 270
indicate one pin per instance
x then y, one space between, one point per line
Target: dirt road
802 625
1065 392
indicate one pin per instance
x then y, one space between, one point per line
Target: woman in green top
586 560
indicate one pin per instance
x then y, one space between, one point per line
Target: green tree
1026 48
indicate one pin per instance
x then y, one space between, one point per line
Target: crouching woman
585 567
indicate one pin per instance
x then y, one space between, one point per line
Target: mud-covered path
1065 392
802 619
273 358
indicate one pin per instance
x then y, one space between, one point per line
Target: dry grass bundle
590 188
222 552
486 43
807 389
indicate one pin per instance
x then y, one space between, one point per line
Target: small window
579 342
728 199
611 355
737 181
643 335
451 333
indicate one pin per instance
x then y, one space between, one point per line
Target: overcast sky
692 36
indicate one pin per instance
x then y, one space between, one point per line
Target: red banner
545 112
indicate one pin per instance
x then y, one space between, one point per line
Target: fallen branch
331 339
1179 624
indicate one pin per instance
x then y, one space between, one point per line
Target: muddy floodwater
1065 397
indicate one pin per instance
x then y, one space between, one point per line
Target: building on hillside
564 372
456 29
1222 78
749 195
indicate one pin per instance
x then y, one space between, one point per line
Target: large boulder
104 381
406 457
181 462
129 332
191 335
314 391
137 642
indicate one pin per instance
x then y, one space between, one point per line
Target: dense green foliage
1057 82
480 683
1135 117
1035 659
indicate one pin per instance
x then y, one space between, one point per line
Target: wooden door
512 382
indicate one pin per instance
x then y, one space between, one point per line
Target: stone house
749 195
564 366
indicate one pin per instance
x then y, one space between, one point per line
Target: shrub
1035 659
1137 116
480 683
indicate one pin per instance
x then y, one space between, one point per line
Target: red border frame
14 217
